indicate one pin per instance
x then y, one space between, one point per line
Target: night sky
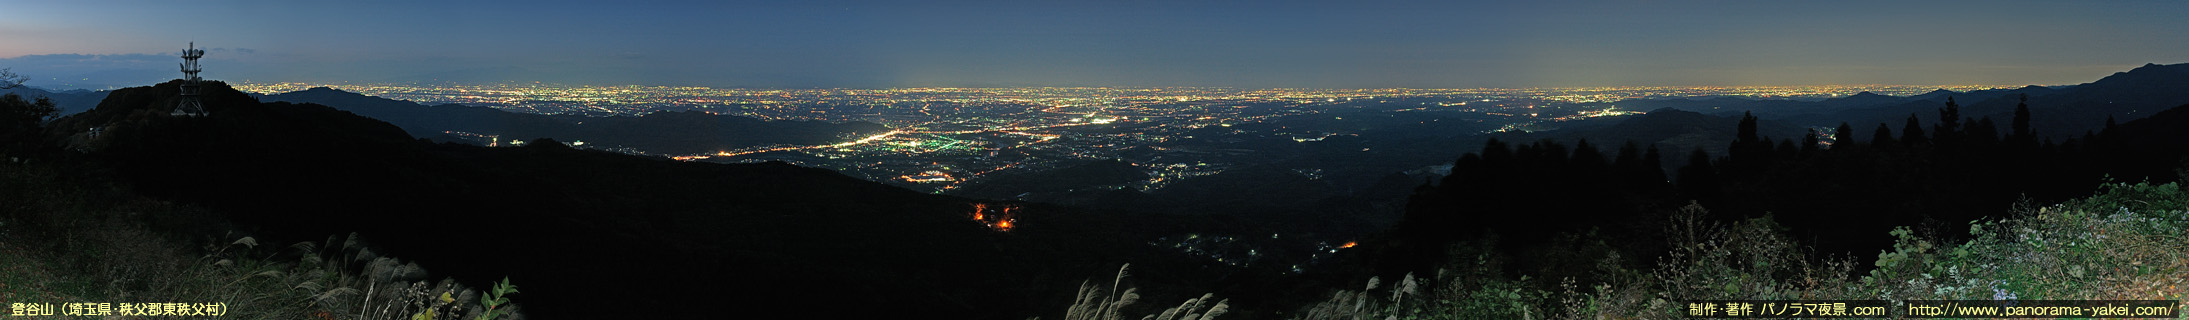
1329 44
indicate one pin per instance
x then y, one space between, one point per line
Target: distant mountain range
69 101
1791 109
1089 175
1836 198
686 132
654 237
2057 112
1680 125
1673 131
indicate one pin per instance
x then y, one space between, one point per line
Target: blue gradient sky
1332 44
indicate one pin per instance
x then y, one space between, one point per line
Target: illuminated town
943 138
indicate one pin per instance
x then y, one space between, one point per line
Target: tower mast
189 106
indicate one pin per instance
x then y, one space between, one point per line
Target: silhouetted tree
2089 137
1844 136
2022 137
1882 137
1983 133
1747 130
1912 134
17 113
1749 152
1786 150
1496 154
1544 154
10 80
1930 184
1588 163
1653 164
2107 132
1699 180
21 122
1948 132
1630 156
1635 172
1809 143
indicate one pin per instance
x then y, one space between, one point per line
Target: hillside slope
686 132
585 228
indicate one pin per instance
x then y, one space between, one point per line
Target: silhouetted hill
579 229
1721 106
133 112
1825 112
2124 96
2068 112
1672 130
2166 129
69 101
1939 94
1518 197
1092 174
2150 147
686 132
1862 99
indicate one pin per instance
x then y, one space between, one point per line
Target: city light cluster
941 139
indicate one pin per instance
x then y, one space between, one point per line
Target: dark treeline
20 122
1536 190
1551 210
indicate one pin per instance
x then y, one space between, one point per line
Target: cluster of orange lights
999 218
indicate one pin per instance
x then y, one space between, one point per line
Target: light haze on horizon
869 44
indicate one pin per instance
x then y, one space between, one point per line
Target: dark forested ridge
1937 171
1925 160
580 229
2067 111
1842 209
68 101
683 132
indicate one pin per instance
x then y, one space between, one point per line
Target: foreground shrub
66 238
1094 302
2129 241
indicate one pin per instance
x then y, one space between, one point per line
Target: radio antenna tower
189 106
